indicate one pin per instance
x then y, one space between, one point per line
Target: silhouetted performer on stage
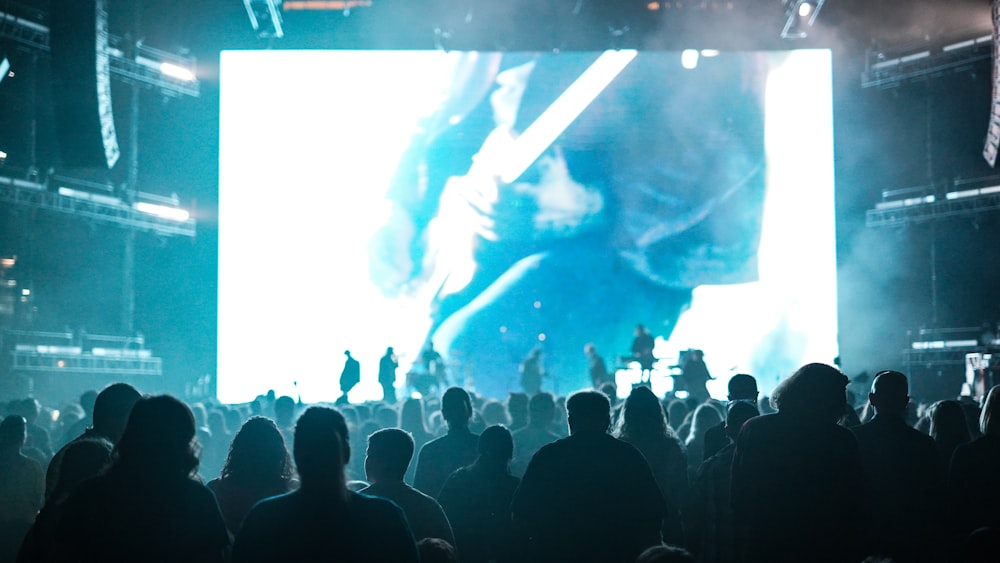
387 375
798 479
458 448
349 376
694 375
596 367
323 520
532 372
904 478
389 453
588 497
642 351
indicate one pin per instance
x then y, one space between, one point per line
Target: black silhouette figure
587 497
458 448
82 460
387 375
538 433
742 388
712 522
323 520
904 477
21 486
148 505
257 467
642 351
349 376
111 409
477 500
973 473
389 453
798 481
643 424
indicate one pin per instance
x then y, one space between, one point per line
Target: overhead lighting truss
265 17
171 74
139 216
921 205
884 69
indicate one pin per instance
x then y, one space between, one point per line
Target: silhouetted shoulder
293 527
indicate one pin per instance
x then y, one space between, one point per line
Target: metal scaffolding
105 209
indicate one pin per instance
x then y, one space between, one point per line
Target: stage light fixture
4 67
689 59
265 17
800 15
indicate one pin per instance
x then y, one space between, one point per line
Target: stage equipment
800 15
265 17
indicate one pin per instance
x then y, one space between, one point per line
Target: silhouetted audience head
494 412
541 409
677 411
456 407
258 455
284 411
588 411
739 413
158 441
496 448
436 550
813 391
389 453
989 420
665 554
742 387
321 449
112 407
82 460
948 423
411 415
517 408
642 415
13 433
705 416
87 401
890 393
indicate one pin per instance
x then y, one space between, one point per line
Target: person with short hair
974 468
389 453
477 500
111 410
323 519
589 496
798 479
458 448
904 477
742 389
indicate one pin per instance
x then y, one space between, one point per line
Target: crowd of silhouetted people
803 476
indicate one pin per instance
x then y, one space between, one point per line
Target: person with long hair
148 505
258 466
973 473
323 519
948 428
643 424
705 417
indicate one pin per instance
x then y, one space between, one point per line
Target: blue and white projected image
502 206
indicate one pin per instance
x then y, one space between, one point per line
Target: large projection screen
375 198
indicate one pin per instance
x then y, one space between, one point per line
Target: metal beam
932 211
105 210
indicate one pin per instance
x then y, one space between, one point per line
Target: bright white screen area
309 142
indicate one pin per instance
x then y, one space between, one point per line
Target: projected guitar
467 202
